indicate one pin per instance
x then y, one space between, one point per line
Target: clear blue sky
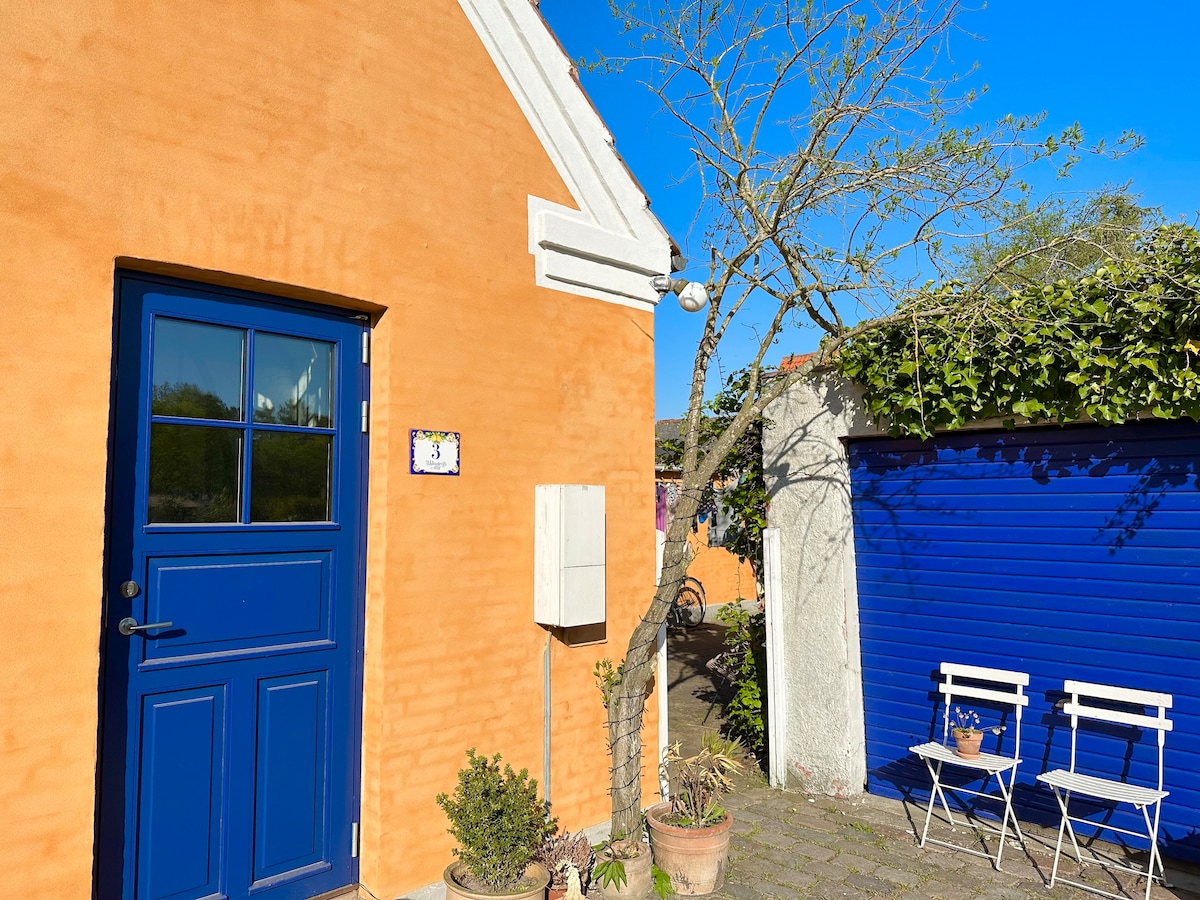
1108 66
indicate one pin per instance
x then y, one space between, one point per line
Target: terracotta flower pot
455 890
638 876
695 858
966 744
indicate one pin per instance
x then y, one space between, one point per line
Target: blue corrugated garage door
1063 552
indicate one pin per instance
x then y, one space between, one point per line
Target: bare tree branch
831 145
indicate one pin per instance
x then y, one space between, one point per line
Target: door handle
129 626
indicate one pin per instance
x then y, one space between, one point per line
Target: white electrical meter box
568 548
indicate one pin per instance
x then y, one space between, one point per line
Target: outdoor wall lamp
692 294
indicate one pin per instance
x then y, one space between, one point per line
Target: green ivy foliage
1106 346
497 819
745 713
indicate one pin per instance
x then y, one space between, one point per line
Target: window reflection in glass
195 474
198 370
293 381
290 476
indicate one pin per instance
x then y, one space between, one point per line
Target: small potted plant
690 833
967 735
624 868
499 822
569 859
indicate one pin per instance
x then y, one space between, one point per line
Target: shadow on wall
1065 552
1044 455
1047 452
809 454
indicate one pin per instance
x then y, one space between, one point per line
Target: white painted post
660 540
776 680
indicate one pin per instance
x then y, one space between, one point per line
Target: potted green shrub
499 823
690 832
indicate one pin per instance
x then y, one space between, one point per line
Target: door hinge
355 839
366 348
366 415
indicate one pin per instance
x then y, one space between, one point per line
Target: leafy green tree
1059 239
832 146
193 469
188 400
291 477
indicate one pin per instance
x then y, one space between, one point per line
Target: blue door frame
231 727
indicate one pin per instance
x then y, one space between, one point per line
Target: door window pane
293 381
199 370
195 473
289 477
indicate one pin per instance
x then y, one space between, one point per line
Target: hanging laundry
718 524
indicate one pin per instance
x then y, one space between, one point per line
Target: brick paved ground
790 845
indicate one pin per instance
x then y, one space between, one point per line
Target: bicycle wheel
689 605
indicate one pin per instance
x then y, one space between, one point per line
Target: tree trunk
627 705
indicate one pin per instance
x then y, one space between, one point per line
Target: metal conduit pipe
546 717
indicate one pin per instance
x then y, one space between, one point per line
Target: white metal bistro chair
1096 702
1003 691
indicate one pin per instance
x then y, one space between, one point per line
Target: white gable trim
612 245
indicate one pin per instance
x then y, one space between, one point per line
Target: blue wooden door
232 629
1061 552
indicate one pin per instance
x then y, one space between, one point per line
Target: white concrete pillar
808 479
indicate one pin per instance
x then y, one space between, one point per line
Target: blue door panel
231 736
180 796
1155 565
1019 476
1015 587
261 601
1062 552
293 726
1081 533
1099 540
1022 628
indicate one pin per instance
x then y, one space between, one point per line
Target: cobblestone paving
790 845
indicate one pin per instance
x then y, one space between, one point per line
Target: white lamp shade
693 297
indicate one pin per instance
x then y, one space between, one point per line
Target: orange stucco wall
725 577
366 150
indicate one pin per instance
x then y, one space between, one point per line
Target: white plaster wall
808 479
